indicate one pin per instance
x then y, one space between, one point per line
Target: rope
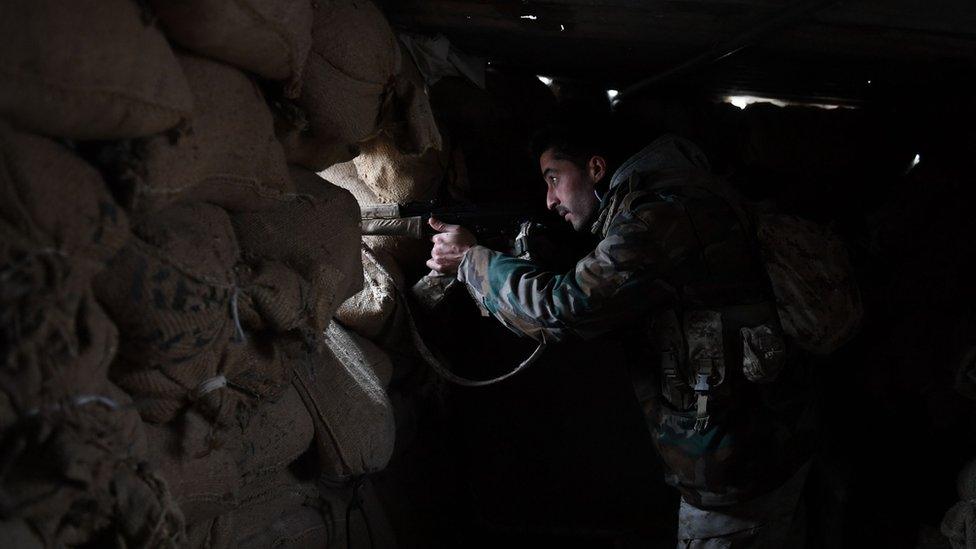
78 401
354 503
436 364
210 385
444 372
239 336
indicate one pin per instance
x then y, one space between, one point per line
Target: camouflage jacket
671 240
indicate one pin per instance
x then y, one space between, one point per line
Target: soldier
677 265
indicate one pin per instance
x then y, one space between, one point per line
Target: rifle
487 222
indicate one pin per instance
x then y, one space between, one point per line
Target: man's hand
449 246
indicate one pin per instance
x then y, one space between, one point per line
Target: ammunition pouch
697 350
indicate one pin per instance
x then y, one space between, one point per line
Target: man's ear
597 167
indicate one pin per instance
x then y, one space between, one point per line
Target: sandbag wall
171 264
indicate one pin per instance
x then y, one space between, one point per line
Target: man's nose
551 200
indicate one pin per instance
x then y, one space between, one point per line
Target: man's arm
611 287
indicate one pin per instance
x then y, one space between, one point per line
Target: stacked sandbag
171 291
244 469
348 79
337 403
400 179
94 69
59 227
303 254
376 312
405 163
163 379
412 123
72 443
270 38
227 155
288 513
343 387
76 471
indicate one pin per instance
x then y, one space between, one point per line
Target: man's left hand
450 244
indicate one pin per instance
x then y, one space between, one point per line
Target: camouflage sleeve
613 286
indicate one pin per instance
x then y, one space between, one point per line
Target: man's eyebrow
547 171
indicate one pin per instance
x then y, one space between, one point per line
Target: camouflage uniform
677 265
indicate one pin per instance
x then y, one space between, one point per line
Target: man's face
570 188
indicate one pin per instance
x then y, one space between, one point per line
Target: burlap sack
270 38
409 253
316 235
353 348
396 177
74 470
347 81
91 69
276 434
285 513
19 535
205 482
375 310
171 292
228 156
354 427
58 227
56 204
413 126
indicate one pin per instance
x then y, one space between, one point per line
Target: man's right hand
450 244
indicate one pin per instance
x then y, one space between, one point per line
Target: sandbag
354 426
316 235
171 292
54 200
91 69
270 38
228 156
817 298
204 478
276 434
285 513
396 177
74 470
58 227
376 309
353 348
347 81
407 251
210 464
413 126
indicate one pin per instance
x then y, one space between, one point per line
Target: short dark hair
575 138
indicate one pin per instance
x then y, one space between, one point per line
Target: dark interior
560 455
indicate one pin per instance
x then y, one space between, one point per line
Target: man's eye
552 180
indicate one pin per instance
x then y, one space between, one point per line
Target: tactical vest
724 404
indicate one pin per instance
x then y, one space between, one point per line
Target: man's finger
439 225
